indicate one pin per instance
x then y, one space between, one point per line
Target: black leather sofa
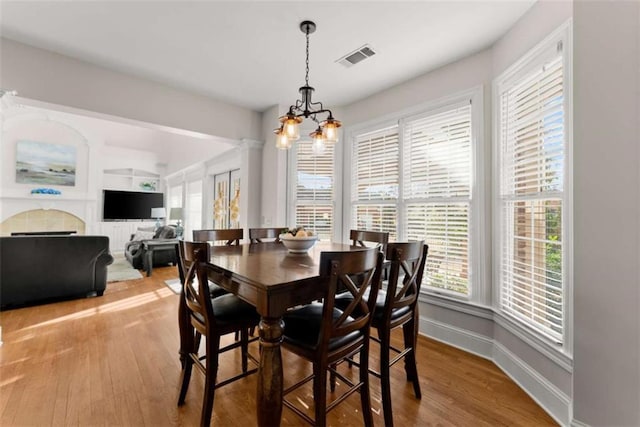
36 269
135 253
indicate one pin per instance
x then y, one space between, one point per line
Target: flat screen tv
124 205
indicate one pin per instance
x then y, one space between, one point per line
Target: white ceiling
251 53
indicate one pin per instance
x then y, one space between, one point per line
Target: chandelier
289 130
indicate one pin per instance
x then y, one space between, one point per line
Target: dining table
269 277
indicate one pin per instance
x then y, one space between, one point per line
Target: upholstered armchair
134 249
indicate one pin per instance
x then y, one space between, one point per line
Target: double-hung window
414 178
313 189
533 175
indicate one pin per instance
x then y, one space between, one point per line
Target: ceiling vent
356 56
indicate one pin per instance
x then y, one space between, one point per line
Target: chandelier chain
306 78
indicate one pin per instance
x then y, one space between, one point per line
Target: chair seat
344 299
229 309
302 328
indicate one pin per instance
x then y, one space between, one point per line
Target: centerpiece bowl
298 245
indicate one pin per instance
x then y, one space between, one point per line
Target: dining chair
360 237
257 235
325 335
183 268
203 316
397 306
231 235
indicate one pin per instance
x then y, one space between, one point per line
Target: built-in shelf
131 179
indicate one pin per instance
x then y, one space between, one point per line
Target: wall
606 381
42 75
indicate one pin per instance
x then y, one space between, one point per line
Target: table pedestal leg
270 380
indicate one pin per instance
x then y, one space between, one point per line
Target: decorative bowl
298 245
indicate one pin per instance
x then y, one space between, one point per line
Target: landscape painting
43 163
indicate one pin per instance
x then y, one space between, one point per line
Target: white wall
606 381
45 76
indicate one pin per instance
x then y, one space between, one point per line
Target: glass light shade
292 130
290 126
330 129
282 142
318 141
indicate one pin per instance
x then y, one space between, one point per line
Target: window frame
534 59
479 291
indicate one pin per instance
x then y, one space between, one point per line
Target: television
124 205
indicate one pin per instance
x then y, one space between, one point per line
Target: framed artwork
234 201
226 200
221 200
44 163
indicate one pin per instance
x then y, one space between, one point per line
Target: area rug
174 285
121 270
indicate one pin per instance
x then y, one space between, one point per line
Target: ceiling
251 53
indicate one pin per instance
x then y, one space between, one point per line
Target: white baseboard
576 423
457 337
548 396
556 403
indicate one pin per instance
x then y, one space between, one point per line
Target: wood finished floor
113 361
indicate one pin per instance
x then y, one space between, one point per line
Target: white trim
548 396
576 423
456 337
456 305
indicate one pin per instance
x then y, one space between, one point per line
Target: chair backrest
231 235
196 293
359 237
256 235
408 260
196 297
359 273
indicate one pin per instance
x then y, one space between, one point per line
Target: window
375 181
532 189
193 218
414 180
175 196
437 183
314 189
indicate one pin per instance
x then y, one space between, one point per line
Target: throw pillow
143 235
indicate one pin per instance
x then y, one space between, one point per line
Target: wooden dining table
273 280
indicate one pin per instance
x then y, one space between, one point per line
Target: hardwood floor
113 361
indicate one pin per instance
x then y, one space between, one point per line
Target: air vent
356 56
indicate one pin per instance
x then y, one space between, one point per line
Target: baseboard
556 403
576 423
457 337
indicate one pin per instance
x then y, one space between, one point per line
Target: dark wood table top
269 277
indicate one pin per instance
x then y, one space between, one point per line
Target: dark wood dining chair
325 335
232 236
362 237
258 235
397 306
200 315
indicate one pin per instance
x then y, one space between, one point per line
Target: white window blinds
532 198
414 180
437 171
375 181
314 189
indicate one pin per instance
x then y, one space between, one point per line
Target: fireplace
42 220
